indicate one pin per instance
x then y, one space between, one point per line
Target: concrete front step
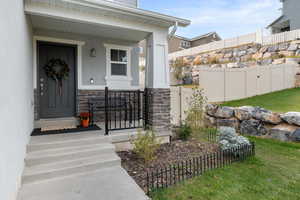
54 143
106 184
58 170
63 154
71 149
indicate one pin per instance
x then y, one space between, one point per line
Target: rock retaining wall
255 121
242 56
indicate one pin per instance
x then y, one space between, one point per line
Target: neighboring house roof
133 11
278 20
198 37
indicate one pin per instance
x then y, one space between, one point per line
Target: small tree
196 109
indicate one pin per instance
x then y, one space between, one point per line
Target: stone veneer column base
159 116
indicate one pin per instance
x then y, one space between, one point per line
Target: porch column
157 81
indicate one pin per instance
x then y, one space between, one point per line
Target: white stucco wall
95 67
16 95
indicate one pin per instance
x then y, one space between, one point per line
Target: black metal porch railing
125 109
122 109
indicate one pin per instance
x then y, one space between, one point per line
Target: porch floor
81 166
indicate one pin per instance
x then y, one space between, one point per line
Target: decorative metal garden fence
181 171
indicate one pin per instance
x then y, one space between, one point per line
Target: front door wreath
58 70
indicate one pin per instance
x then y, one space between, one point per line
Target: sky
229 18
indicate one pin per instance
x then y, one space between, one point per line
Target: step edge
115 161
51 152
103 158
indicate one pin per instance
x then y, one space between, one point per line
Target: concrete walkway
76 167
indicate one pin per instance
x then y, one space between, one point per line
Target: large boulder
231 122
253 127
211 109
244 112
282 132
224 112
296 136
209 121
267 116
228 138
291 118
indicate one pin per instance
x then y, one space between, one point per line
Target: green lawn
282 101
274 174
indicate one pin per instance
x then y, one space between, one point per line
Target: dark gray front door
56 100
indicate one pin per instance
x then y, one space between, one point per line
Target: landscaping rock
279 61
232 65
232 122
266 62
283 46
244 112
296 136
282 132
216 66
267 116
293 47
291 118
209 121
287 53
224 112
211 109
253 127
273 48
228 138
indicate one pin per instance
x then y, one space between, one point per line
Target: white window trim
110 77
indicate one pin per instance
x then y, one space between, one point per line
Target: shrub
184 132
145 145
177 67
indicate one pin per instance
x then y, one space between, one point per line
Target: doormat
39 132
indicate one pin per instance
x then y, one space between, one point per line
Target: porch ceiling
47 23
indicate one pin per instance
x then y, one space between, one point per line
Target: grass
281 101
274 174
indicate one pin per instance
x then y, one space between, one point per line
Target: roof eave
135 11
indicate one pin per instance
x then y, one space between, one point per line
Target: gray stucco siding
95 67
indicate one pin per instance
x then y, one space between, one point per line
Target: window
185 44
118 62
118 67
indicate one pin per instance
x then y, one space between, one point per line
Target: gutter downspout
172 33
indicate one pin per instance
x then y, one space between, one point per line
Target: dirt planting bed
170 153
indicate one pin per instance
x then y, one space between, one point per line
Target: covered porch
100 46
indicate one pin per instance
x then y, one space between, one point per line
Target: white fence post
259 36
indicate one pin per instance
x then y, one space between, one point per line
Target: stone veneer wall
159 109
255 121
82 102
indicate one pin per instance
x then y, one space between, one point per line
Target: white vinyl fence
179 103
251 38
230 84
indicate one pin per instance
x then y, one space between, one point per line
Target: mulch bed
167 154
